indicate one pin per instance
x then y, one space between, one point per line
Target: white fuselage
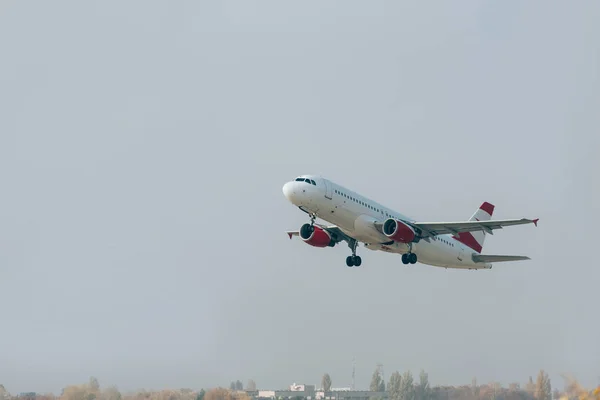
354 214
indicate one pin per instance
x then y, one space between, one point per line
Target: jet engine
316 236
399 231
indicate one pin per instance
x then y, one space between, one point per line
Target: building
308 392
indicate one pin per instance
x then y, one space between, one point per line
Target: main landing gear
410 257
353 260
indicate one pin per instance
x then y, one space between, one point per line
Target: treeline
406 387
238 385
399 387
92 391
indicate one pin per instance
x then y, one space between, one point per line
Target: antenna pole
353 372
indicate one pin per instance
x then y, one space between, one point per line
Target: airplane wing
485 258
429 229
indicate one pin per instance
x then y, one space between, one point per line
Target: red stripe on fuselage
467 239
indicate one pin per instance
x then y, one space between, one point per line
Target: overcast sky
144 144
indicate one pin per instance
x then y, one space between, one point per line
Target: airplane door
327 189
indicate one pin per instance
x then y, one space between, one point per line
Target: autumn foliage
400 387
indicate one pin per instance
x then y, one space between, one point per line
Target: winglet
535 221
290 234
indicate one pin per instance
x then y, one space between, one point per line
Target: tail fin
475 240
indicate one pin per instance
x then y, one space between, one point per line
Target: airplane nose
288 190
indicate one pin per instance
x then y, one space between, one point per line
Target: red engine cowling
316 236
398 231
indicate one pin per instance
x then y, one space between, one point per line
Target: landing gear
353 260
409 258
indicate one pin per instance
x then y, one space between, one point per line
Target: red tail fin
475 240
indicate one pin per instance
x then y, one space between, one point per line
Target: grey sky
143 146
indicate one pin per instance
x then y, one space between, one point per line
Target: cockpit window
309 181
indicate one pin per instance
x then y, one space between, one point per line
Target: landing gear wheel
405 259
353 260
412 258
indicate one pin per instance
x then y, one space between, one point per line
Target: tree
200 395
423 391
76 392
219 394
111 393
395 386
251 385
543 389
530 387
375 381
94 385
224 394
407 387
326 382
474 388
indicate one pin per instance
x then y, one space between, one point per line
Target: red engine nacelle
316 236
398 231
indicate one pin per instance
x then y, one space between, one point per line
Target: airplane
357 219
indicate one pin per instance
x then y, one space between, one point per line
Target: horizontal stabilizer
485 258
